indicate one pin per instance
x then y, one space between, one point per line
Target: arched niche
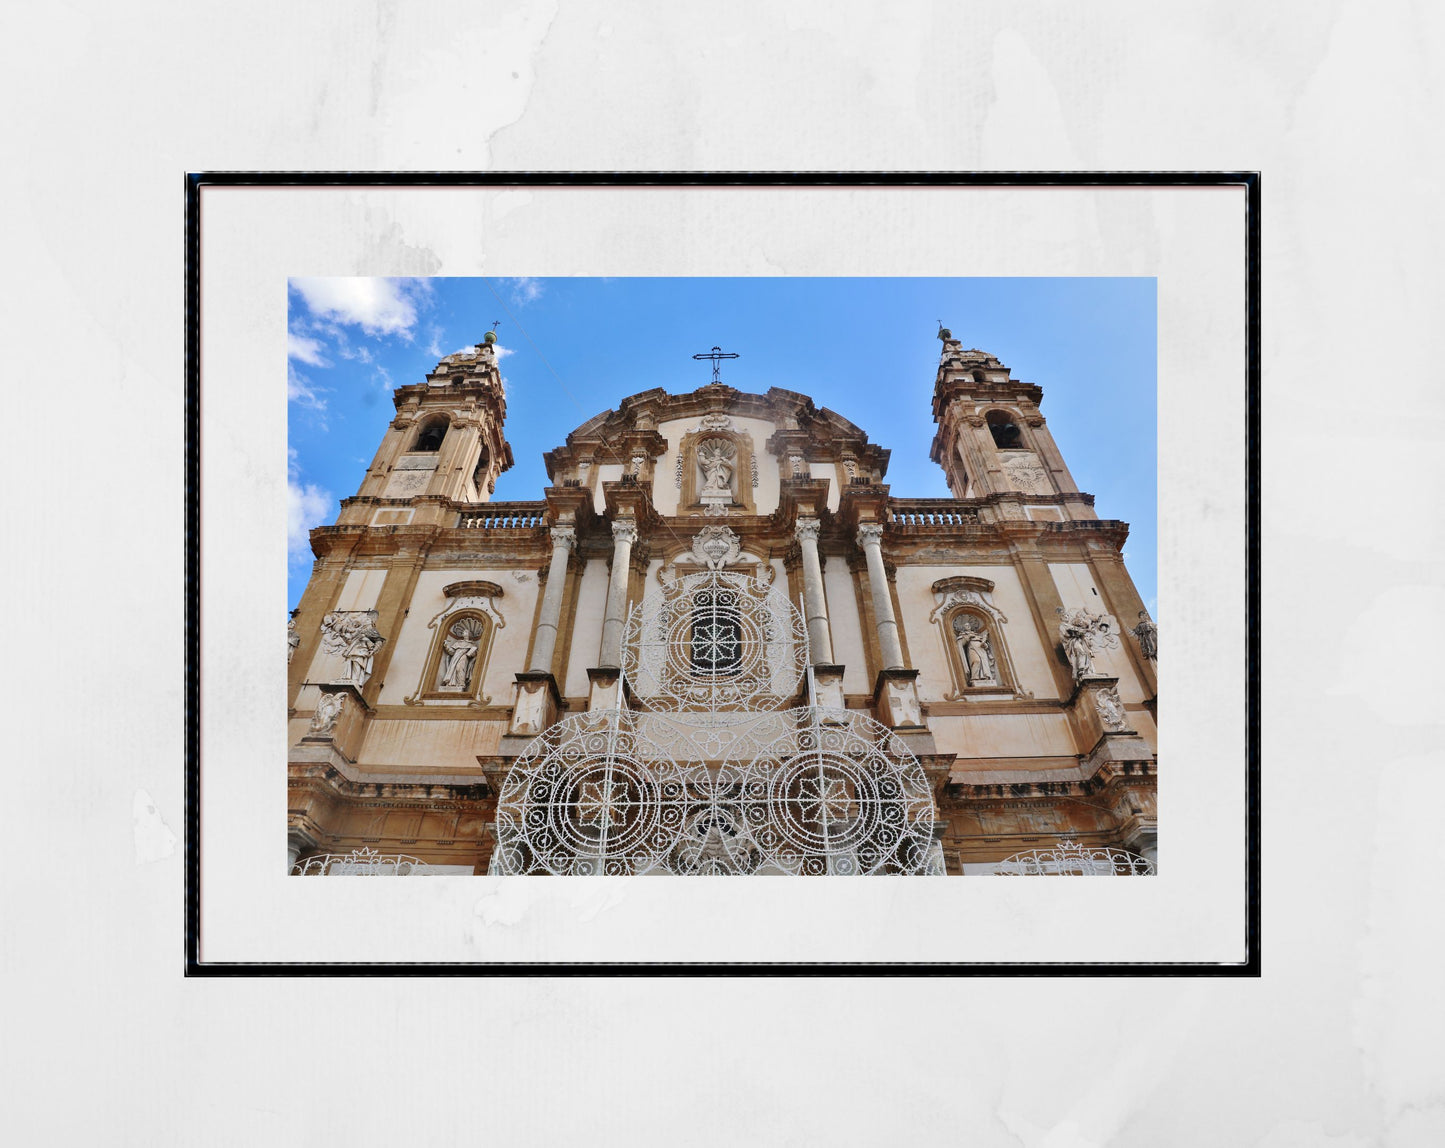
714 447
460 647
971 629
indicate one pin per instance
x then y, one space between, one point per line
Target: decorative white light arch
1070 859
712 772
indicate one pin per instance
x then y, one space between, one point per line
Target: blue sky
573 347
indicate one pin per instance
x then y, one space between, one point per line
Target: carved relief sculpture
1111 708
1083 634
352 636
328 709
715 547
1148 634
1026 473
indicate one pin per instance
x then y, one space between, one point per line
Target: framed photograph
817 528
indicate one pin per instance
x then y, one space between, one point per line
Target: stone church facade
719 588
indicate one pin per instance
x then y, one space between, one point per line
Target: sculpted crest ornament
715 547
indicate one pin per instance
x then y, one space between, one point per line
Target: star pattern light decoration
602 803
715 643
824 798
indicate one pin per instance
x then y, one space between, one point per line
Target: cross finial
717 354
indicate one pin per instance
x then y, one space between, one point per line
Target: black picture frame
1249 182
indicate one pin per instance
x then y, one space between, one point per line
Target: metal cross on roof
715 355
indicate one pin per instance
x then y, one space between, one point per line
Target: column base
828 686
535 704
895 699
606 690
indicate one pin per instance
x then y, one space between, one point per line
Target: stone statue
459 653
717 457
1148 634
1083 633
352 636
328 709
293 639
976 650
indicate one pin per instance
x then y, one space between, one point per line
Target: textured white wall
1337 1045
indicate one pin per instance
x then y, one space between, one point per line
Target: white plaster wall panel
1077 590
509 645
1005 735
846 626
664 476
1142 722
765 494
587 627
607 472
361 590
925 639
832 472
451 746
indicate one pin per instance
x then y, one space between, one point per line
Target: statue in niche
352 636
459 654
974 647
717 457
1148 634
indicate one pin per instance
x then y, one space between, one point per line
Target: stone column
814 605
624 534
870 538
545 643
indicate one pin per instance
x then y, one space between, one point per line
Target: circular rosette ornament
591 796
842 798
715 643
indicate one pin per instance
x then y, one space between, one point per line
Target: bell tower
991 437
445 445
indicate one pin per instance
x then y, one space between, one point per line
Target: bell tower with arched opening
991 437
445 445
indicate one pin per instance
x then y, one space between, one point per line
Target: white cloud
307 506
501 351
306 349
377 306
525 290
299 390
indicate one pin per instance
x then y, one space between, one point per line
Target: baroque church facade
720 643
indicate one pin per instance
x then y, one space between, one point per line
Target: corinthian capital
564 536
870 534
807 530
624 530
